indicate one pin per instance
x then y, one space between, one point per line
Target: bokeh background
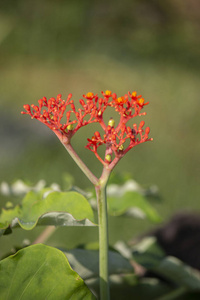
50 47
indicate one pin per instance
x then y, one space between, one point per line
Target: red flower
50 112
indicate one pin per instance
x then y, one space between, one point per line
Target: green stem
100 187
103 235
80 163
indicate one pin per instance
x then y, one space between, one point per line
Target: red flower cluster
50 112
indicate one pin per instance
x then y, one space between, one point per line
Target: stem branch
80 163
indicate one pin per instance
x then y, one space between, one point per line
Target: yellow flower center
108 93
89 95
121 100
141 101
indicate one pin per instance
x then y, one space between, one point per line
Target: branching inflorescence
117 139
50 112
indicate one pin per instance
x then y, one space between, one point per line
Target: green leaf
132 203
40 272
86 263
178 272
148 254
58 208
128 286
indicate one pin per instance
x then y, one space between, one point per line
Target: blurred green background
50 47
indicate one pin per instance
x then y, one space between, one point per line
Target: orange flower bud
82 102
147 130
141 124
97 134
27 107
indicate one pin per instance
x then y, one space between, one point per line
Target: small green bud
70 127
99 113
121 147
51 116
111 122
108 158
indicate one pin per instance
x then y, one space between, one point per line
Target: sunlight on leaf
132 203
31 274
58 208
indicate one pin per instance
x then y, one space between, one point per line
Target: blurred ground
49 47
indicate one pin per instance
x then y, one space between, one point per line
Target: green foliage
185 279
40 272
31 271
57 208
86 263
132 203
44 206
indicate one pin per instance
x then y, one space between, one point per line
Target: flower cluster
50 112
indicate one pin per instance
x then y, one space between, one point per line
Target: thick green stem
103 236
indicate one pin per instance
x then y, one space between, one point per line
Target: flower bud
97 134
70 127
147 130
99 113
27 107
68 115
51 116
108 158
141 124
40 102
58 97
114 96
73 106
111 122
121 147
82 102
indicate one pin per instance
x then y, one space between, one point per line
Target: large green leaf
148 254
178 272
132 203
58 208
86 263
40 272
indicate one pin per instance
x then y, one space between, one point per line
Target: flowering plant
64 119
39 271
50 112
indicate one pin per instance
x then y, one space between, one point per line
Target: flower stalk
118 139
